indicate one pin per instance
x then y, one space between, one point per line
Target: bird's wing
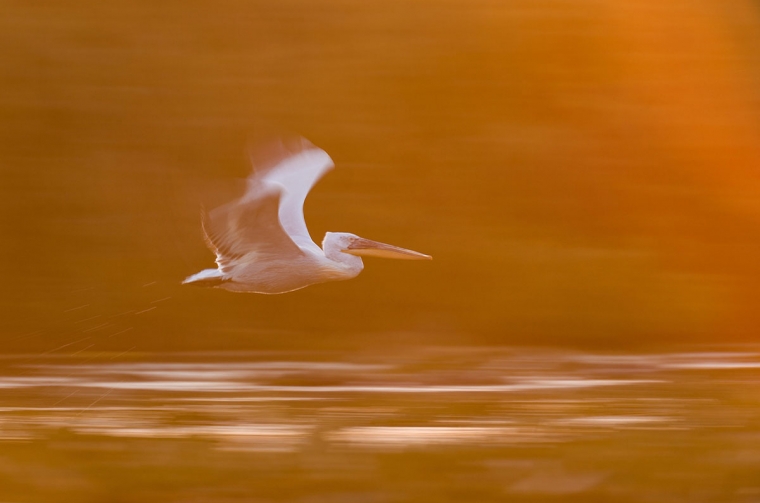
248 229
294 167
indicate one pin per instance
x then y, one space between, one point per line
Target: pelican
261 241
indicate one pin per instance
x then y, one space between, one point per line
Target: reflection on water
525 423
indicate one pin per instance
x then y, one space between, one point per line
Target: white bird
261 241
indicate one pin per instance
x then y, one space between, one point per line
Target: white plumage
261 241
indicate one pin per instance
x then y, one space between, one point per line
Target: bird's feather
246 230
293 167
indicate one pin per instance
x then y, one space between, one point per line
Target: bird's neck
343 263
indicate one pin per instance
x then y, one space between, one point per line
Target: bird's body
261 241
264 273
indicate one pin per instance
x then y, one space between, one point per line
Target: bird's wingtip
207 277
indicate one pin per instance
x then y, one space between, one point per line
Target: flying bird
261 241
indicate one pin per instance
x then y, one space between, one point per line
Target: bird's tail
207 277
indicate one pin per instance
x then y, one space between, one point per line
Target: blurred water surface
434 424
584 174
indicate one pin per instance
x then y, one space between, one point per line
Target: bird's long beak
367 248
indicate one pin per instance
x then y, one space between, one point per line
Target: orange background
583 172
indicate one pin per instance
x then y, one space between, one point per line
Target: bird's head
344 243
